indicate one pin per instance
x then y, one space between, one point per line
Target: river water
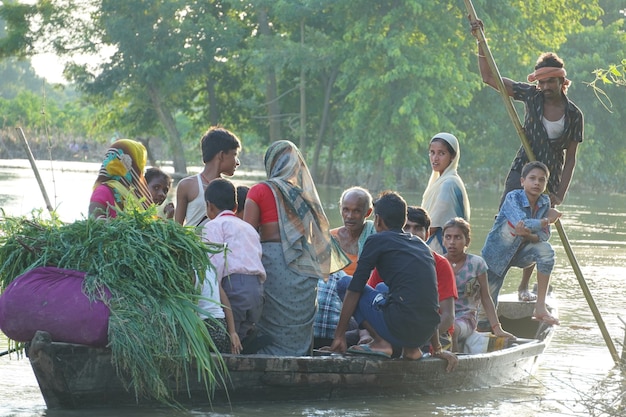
576 375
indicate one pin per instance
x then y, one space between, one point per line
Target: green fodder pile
149 265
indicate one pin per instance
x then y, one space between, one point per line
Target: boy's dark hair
535 164
152 173
216 140
549 59
391 208
221 193
418 216
242 194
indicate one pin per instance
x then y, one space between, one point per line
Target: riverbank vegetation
361 86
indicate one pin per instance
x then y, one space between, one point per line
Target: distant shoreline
86 166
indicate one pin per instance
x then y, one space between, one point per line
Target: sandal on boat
525 295
547 319
367 350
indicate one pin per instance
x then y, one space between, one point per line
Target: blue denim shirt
502 243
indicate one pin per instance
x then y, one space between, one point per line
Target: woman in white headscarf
445 196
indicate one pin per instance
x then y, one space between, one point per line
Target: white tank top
196 208
554 129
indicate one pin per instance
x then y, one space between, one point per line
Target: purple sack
52 299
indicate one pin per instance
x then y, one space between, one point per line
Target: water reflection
575 362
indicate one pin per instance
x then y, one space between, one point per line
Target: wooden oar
566 245
31 158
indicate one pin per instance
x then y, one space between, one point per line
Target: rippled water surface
575 375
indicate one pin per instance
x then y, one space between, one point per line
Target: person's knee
342 286
382 288
544 257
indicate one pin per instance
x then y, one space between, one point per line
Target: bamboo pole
531 157
624 343
31 158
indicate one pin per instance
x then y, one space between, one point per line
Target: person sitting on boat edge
355 205
471 279
220 151
159 183
418 224
519 237
120 180
239 268
408 316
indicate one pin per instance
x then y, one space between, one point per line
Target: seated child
520 234
239 269
159 183
471 281
214 304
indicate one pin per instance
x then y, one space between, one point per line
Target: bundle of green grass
149 265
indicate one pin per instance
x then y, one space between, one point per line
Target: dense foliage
360 85
148 264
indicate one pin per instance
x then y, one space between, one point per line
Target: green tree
602 154
162 52
517 34
361 85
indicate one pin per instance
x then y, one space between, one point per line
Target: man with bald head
356 206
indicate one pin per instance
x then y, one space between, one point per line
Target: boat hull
77 376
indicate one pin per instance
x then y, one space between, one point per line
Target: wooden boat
77 376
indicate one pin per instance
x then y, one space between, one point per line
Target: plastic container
483 342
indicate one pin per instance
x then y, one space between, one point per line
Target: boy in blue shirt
520 234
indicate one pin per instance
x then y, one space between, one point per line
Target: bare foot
525 295
546 317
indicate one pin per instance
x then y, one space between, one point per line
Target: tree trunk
167 120
324 122
302 98
271 89
329 163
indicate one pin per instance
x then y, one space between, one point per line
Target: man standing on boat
552 123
